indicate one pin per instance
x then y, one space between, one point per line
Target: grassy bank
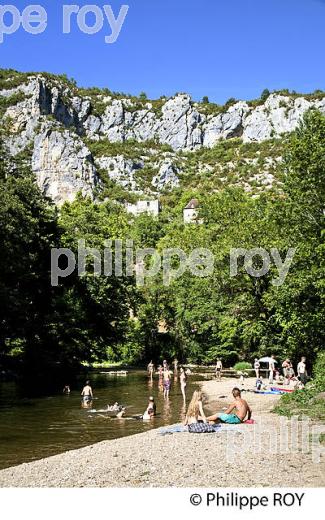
103 364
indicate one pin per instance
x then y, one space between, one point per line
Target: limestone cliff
76 135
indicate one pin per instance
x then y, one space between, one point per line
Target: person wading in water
87 394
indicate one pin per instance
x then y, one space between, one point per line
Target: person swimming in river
195 412
115 410
118 409
236 413
151 409
87 392
114 407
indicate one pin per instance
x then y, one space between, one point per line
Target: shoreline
222 459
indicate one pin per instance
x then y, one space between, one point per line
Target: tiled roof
193 204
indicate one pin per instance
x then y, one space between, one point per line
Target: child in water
151 409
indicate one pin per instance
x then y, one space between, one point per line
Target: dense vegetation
95 318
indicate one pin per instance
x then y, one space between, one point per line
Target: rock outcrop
167 176
58 120
63 166
121 170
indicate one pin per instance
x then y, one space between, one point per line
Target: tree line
47 329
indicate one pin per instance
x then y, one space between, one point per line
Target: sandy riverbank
183 459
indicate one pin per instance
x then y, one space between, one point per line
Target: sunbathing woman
195 412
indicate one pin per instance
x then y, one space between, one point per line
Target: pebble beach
272 452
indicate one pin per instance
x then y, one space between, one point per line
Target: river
33 428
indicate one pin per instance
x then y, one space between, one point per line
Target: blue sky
218 48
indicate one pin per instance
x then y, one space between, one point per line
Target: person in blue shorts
229 418
236 413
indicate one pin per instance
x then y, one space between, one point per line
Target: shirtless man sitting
241 408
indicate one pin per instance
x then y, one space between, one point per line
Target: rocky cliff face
63 166
63 124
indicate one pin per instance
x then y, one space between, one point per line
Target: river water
33 428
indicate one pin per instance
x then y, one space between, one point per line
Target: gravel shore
241 458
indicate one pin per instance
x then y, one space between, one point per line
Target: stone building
151 207
190 212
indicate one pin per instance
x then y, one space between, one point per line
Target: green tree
28 229
265 94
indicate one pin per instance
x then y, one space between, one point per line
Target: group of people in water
165 376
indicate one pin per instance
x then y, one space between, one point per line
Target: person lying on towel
237 412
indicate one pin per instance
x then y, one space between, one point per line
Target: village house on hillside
151 207
191 213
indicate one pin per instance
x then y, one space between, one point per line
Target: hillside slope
119 146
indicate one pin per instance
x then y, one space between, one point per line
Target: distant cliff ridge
78 138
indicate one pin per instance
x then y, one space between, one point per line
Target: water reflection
183 412
167 410
86 404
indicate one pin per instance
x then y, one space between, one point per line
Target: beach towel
282 390
217 428
175 428
203 428
269 392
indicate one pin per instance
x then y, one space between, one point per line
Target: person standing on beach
257 368
183 381
271 369
175 363
285 366
288 372
218 369
301 371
